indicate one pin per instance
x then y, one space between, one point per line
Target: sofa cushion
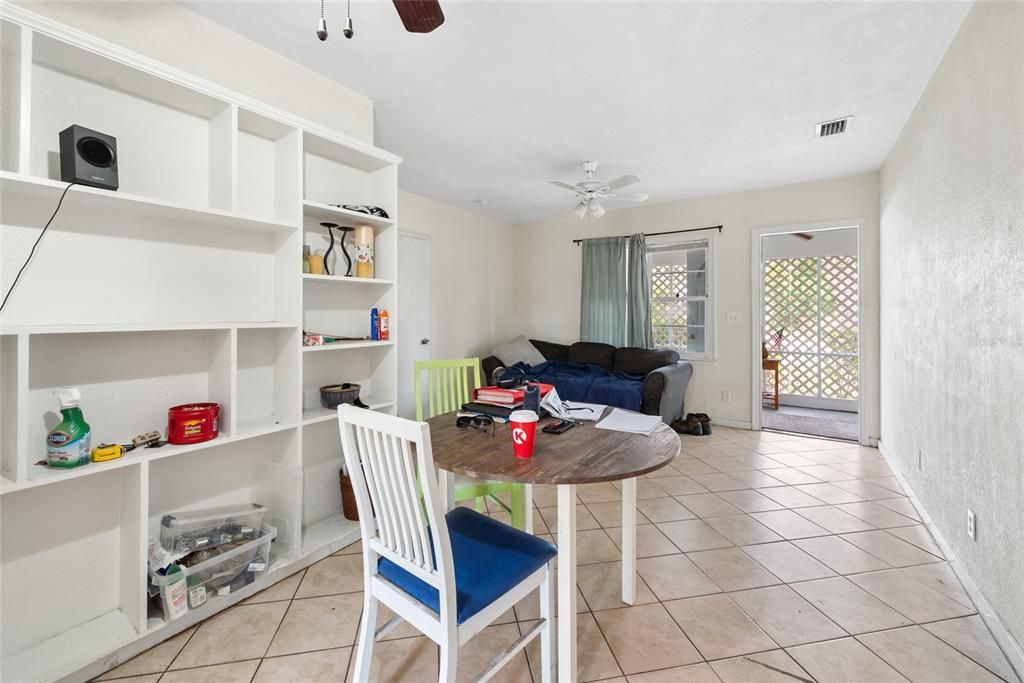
636 361
519 350
592 353
551 350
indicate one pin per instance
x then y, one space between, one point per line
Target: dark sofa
664 377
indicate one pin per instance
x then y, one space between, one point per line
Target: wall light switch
726 396
732 318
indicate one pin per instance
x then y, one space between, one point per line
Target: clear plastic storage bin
222 574
185 532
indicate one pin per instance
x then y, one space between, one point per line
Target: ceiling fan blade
562 183
420 16
622 182
627 196
546 200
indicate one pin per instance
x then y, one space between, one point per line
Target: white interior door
413 314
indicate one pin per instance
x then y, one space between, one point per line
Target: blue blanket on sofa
589 383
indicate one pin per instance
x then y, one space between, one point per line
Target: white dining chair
450 575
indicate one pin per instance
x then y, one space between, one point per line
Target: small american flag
775 339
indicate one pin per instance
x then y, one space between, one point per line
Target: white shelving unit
184 285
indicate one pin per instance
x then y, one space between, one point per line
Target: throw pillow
519 350
592 353
636 361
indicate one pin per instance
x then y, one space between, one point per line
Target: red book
506 396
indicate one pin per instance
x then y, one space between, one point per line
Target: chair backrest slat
448 385
420 541
374 485
389 461
385 466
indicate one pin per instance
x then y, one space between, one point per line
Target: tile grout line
607 533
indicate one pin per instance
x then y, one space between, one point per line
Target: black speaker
88 158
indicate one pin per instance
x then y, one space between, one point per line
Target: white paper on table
553 405
584 411
627 421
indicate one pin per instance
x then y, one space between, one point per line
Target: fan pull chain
321 27
348 20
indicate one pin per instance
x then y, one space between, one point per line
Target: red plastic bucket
192 423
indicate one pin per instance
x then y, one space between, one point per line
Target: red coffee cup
524 429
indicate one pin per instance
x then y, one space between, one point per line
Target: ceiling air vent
833 127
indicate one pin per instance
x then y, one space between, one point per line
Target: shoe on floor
691 425
705 423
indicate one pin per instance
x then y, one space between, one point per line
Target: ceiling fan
590 191
418 16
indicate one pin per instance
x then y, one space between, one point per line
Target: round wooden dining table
582 455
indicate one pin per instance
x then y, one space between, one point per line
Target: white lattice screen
814 302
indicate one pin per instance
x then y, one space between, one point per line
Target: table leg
446 482
776 388
566 583
629 541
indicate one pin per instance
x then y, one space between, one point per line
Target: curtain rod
667 232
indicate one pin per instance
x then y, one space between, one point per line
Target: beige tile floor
763 557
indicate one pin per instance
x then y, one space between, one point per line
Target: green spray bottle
67 445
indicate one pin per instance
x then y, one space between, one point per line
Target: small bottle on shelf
316 262
305 258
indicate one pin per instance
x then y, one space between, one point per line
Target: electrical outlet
726 396
972 525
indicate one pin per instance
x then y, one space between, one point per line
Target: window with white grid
681 298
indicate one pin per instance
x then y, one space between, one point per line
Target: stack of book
508 398
498 402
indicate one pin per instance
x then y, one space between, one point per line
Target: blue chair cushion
490 559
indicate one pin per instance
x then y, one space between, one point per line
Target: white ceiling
694 98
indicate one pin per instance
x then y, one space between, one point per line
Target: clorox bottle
67 445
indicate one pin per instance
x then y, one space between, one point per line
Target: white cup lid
523 416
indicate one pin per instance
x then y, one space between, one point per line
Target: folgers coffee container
192 423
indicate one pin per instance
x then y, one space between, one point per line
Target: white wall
179 37
547 290
952 318
471 288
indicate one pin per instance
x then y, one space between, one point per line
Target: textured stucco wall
952 302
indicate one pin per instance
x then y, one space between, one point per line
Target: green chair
449 385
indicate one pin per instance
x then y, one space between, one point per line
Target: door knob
424 341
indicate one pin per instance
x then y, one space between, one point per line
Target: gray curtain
638 302
603 300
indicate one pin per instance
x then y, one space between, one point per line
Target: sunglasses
477 422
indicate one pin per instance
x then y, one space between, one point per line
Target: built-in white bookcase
184 285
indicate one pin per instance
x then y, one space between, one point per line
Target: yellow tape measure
107 451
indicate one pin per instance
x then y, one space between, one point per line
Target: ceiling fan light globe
599 212
580 210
